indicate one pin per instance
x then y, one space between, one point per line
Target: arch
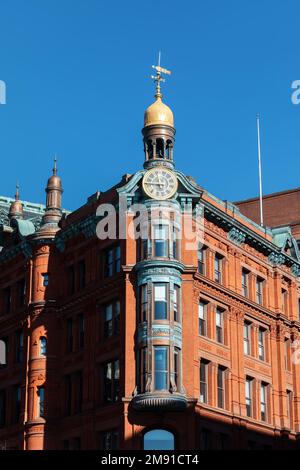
150 149
158 439
169 149
43 346
160 148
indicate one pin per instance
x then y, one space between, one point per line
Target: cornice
239 233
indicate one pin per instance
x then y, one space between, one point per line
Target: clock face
160 183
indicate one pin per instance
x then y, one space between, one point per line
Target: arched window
159 439
150 149
43 346
168 149
159 148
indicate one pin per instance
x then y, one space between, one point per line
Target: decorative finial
158 78
17 195
55 166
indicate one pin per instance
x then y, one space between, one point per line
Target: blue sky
77 76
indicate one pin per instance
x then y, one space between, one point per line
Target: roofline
279 193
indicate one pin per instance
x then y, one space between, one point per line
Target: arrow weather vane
158 78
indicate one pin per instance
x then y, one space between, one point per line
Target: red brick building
122 343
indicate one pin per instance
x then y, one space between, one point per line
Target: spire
53 198
17 195
55 166
16 207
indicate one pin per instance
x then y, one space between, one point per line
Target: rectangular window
245 283
69 335
77 377
81 274
201 260
175 244
111 381
111 319
143 302
261 344
287 354
203 381
117 259
16 405
41 402
18 346
7 299
222 443
112 261
175 302
161 368
71 280
68 395
81 327
2 408
202 316
160 301
289 406
218 268
109 440
161 241
259 290
144 248
176 366
117 316
248 396
109 263
247 343
45 278
108 320
284 296
21 292
205 439
142 369
221 386
263 401
4 344
219 326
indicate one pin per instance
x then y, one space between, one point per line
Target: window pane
161 368
160 300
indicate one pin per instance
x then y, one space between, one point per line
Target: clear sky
77 76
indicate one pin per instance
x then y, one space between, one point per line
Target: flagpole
259 172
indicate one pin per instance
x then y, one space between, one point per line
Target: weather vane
158 78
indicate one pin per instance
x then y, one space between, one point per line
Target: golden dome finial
158 78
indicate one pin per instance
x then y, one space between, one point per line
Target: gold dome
158 113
